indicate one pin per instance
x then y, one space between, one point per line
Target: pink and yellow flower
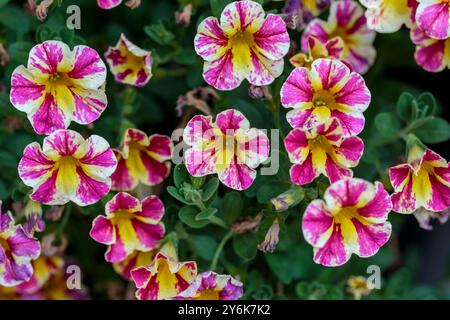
228 147
129 225
165 277
431 54
244 45
142 159
328 90
352 219
134 260
387 16
332 49
433 17
59 85
68 168
129 63
304 11
323 150
17 250
212 286
423 182
346 20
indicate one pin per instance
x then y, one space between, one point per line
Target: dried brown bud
271 239
197 98
51 245
247 224
184 17
4 56
54 213
42 9
257 92
133 4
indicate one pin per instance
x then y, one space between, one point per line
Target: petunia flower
165 277
304 11
68 168
212 286
433 18
109 4
323 150
244 45
346 20
129 225
228 147
422 182
357 287
387 16
332 49
431 54
17 250
132 261
59 86
328 90
33 215
142 159
352 219
129 63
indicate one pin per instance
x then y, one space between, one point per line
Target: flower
17 250
142 159
387 16
68 168
212 286
129 63
165 277
109 4
352 219
33 214
431 54
59 86
328 90
288 199
227 147
424 181
424 217
244 45
433 18
129 225
271 238
357 286
332 49
346 20
323 150
305 11
132 261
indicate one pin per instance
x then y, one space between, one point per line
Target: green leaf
15 19
231 206
217 6
204 246
188 214
206 214
3 2
210 188
245 245
269 191
434 131
159 33
20 50
387 124
405 106
7 160
427 104
180 175
186 56
174 193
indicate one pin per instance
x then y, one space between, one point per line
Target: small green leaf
20 50
269 191
159 33
245 245
210 188
405 106
206 214
174 193
231 206
387 124
434 131
204 246
15 19
188 214
217 6
180 175
427 104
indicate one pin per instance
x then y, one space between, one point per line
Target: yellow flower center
324 98
4 245
345 214
60 79
121 215
241 43
209 294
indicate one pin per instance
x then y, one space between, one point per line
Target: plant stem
219 222
219 250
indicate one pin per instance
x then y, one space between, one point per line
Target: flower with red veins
346 20
212 286
323 150
431 54
68 168
422 182
433 18
328 90
332 49
59 86
129 224
228 147
17 250
142 159
304 11
244 45
134 260
129 63
387 16
351 220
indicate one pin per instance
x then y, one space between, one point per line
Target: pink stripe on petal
88 67
108 4
46 191
379 206
210 40
117 251
330 72
34 164
272 38
220 73
404 201
47 56
148 234
399 174
24 90
88 105
440 194
335 172
140 276
345 193
316 222
297 89
156 171
200 163
237 176
295 142
102 230
152 208
48 117
122 201
90 190
21 245
303 173
302 118
371 237
354 93
333 253
433 17
121 178
161 145
198 130
351 149
352 124
231 119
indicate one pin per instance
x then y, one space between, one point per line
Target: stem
219 222
219 250
65 219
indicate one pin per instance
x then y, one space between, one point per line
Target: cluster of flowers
327 95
